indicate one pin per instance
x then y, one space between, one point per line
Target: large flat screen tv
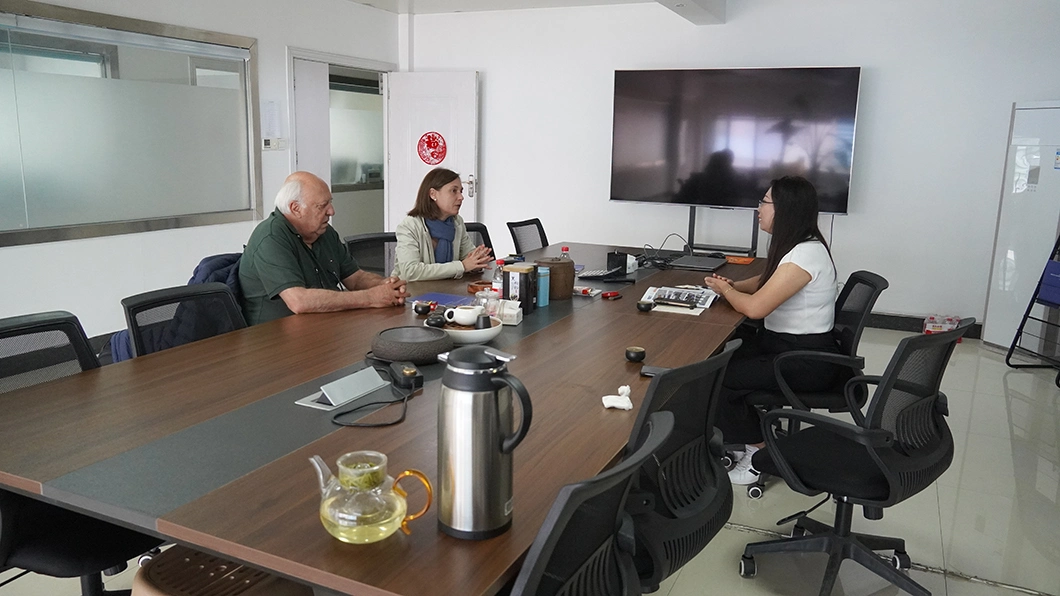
717 137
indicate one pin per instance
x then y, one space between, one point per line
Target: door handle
470 186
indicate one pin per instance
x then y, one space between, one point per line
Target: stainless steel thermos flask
475 442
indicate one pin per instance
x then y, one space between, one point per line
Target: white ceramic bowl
463 337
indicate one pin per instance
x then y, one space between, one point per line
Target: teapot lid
477 358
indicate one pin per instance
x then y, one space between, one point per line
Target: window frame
29 8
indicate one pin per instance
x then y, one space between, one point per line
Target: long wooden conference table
203 444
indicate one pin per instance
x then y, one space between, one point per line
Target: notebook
695 263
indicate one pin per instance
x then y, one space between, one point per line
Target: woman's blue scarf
444 232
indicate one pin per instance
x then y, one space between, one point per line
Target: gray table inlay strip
147 482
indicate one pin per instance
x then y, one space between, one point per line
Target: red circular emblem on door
431 148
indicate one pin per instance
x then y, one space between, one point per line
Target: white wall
89 277
938 81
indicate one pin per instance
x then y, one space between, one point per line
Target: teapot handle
430 496
510 442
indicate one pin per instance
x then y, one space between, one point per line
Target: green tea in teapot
363 504
361 532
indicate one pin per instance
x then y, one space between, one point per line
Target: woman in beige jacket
432 241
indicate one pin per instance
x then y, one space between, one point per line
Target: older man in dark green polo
295 261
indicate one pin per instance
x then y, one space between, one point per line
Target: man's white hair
290 192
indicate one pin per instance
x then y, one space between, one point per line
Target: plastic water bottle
564 252
498 278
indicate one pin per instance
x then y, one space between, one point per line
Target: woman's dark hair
435 179
794 220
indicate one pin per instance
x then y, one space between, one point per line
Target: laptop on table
697 263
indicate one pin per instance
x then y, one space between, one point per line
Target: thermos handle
510 442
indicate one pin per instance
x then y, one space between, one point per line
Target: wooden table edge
20 483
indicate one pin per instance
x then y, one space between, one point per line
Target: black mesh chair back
527 235
479 234
853 307
375 252
852 310
681 497
583 547
908 404
163 319
42 347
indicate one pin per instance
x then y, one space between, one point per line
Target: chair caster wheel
755 492
145 558
727 461
901 561
747 567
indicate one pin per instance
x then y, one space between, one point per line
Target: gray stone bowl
416 344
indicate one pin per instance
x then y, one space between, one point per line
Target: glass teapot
363 504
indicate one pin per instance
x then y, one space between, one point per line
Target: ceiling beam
698 12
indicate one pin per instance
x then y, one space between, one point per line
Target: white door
1027 220
431 121
312 124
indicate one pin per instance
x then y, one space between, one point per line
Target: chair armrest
870 438
942 404
855 363
716 443
848 394
625 537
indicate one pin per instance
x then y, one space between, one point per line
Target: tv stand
749 251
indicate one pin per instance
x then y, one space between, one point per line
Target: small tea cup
635 354
645 305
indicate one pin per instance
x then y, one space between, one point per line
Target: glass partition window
101 126
356 122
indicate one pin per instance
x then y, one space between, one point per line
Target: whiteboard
1028 217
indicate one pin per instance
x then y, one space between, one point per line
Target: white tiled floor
994 515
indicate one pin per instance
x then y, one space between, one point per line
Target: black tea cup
635 354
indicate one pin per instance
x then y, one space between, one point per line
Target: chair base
92 585
839 543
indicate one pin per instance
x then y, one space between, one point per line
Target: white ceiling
699 12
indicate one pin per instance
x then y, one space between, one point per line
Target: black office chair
892 452
373 252
852 309
36 536
681 498
163 319
584 546
527 235
479 234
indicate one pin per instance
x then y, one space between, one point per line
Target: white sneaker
744 473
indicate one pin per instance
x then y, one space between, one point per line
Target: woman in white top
795 297
432 242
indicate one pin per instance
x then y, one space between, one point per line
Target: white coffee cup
463 315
